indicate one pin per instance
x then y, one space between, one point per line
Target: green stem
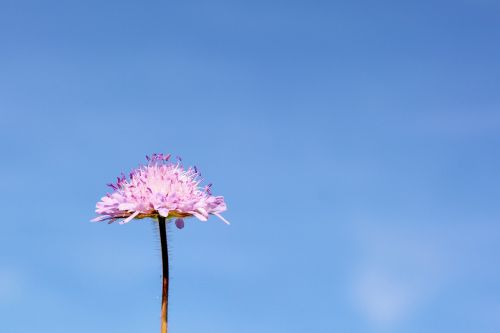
164 258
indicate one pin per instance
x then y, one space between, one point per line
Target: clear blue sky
356 143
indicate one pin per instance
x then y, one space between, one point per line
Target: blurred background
356 144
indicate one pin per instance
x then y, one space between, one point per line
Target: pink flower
161 188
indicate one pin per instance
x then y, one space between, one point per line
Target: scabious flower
160 188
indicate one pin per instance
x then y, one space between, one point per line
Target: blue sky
356 144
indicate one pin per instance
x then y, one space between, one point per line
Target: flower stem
164 257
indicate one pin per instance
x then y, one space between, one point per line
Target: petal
203 211
163 212
199 216
100 218
128 219
126 206
223 219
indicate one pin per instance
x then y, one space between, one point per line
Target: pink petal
99 218
199 216
223 219
128 219
163 212
126 206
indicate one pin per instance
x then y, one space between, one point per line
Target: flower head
160 188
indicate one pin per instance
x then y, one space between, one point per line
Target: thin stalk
164 259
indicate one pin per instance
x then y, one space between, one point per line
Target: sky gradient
356 144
